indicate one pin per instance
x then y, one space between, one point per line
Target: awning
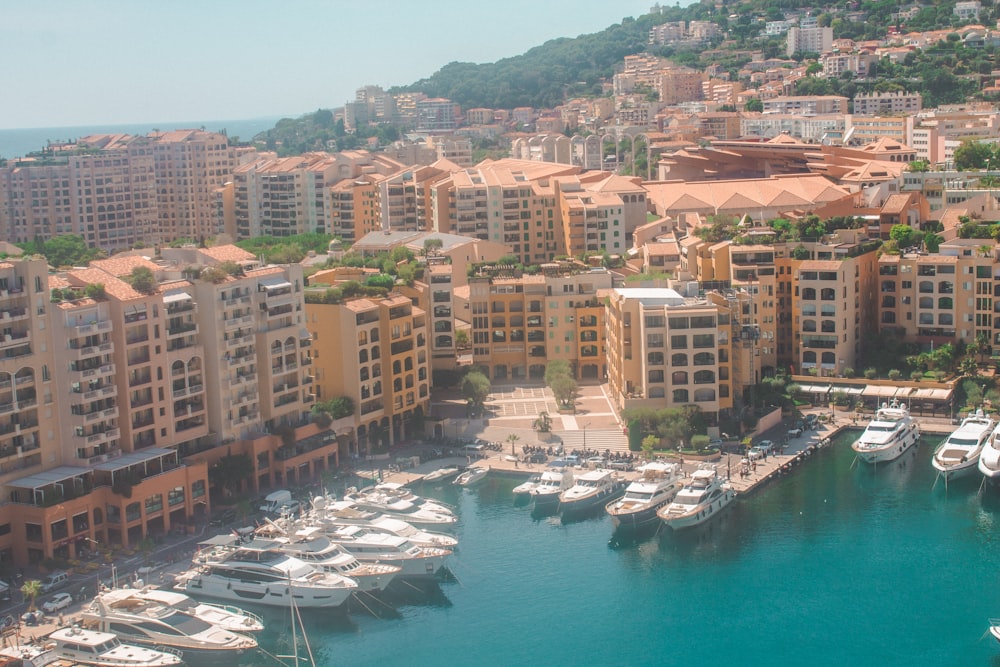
851 389
274 282
134 458
175 297
54 476
880 391
932 394
814 388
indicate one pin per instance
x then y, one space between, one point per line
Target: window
679 359
680 395
679 377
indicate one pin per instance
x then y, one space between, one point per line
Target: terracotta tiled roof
227 253
113 286
123 265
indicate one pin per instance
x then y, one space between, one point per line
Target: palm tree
512 438
31 589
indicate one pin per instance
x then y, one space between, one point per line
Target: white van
274 500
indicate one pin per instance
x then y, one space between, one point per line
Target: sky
100 62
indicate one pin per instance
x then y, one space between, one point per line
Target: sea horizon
18 142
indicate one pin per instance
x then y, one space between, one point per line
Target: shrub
871 373
916 376
849 372
895 374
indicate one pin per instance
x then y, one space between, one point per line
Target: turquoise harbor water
829 566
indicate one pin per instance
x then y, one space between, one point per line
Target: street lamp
585 425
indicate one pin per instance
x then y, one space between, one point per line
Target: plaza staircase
600 440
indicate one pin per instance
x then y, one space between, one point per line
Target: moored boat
103 649
989 457
592 488
658 484
137 617
554 481
525 488
472 476
890 433
703 497
398 502
441 474
959 453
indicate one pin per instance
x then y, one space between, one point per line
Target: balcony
91 328
182 329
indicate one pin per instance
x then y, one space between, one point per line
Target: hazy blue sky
89 62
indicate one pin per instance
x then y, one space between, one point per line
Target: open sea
832 565
20 142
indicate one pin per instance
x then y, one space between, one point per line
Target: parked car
54 580
57 602
760 449
538 457
794 432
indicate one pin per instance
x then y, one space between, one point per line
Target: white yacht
525 488
471 476
702 498
400 503
554 481
310 546
959 453
592 488
367 546
989 458
137 617
441 474
334 514
226 616
103 649
658 484
258 572
890 433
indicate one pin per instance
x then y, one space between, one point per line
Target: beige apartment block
102 188
252 326
936 299
676 85
665 350
190 165
375 352
522 322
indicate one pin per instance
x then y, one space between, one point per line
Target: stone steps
597 439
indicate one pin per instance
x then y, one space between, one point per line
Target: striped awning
880 391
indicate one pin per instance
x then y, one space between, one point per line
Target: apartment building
814 129
808 38
806 104
375 352
938 299
897 102
665 350
676 85
521 322
506 201
437 115
102 188
190 165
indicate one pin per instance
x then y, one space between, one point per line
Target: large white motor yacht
703 497
137 617
554 481
399 502
103 649
890 433
989 458
959 453
592 488
367 546
471 476
258 572
658 484
310 546
333 514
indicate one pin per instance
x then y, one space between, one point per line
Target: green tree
972 155
649 444
754 104
903 235
919 166
564 388
476 388
143 280
67 250
229 472
512 438
31 589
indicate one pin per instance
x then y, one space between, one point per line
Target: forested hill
543 76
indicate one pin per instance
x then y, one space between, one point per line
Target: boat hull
698 515
891 452
272 595
956 471
587 503
642 517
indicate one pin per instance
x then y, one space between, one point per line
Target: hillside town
677 240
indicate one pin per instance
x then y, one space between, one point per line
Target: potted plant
543 424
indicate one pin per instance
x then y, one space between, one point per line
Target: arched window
945 303
828 294
809 293
704 395
362 356
680 395
925 287
396 367
408 364
829 358
679 377
678 359
704 377
809 325
363 373
926 302
654 358
809 357
704 359
828 326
